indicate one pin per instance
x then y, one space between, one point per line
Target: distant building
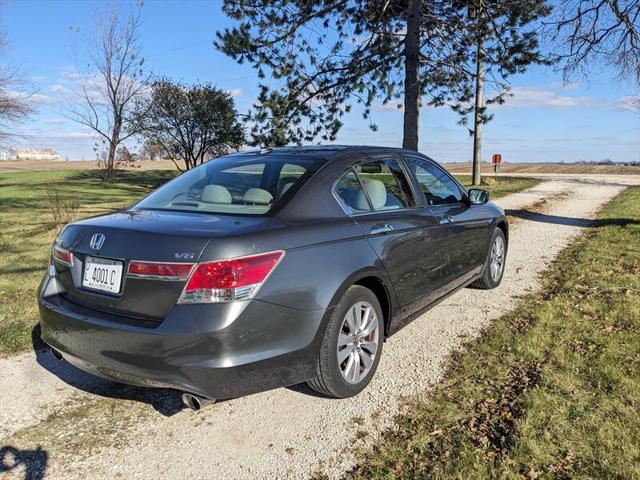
37 154
7 154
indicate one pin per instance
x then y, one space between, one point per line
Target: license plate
102 274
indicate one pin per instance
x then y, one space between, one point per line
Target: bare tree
607 32
14 105
116 78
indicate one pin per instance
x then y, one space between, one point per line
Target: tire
488 280
346 378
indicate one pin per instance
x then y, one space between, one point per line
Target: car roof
316 151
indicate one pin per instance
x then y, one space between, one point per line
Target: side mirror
477 196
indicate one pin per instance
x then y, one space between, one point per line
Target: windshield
235 185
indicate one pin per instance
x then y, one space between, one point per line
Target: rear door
380 197
467 233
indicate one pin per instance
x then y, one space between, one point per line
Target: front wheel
351 346
494 265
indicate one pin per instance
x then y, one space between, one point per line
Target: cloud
58 87
36 98
235 92
55 121
629 102
537 97
391 106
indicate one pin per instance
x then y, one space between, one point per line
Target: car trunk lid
124 245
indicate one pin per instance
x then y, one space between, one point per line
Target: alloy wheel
497 258
358 342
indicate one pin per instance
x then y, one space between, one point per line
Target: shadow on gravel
33 462
570 221
165 401
305 390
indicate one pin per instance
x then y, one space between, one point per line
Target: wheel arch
504 226
377 281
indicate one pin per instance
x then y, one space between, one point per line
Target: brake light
228 280
63 256
159 271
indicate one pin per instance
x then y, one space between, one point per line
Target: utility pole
479 101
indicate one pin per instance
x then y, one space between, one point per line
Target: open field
29 229
458 168
549 168
551 390
30 165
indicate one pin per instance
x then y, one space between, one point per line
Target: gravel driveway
285 433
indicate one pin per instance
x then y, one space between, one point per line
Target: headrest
284 181
285 187
215 194
257 196
377 192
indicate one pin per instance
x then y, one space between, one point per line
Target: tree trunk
412 76
477 120
109 167
113 145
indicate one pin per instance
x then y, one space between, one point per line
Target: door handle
379 228
445 219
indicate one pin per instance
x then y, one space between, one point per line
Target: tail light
159 270
62 255
228 280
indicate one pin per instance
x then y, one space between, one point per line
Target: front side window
233 185
385 184
438 187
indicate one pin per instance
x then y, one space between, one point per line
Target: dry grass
546 168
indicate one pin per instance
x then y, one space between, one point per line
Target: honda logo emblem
97 240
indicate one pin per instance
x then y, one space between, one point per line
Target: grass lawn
501 186
551 390
28 230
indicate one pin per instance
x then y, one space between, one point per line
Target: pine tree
316 60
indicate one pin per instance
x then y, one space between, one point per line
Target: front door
466 233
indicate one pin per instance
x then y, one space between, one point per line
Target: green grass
501 186
28 231
551 390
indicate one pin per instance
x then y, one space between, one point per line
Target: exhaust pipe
56 354
196 402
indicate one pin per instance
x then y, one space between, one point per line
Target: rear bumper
217 350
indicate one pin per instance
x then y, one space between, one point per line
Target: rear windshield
233 185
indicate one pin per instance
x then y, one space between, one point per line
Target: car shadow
165 401
305 389
34 462
570 221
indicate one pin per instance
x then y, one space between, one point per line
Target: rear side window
234 185
376 185
438 187
350 190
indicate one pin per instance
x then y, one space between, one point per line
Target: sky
546 120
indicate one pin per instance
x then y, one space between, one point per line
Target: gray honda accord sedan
268 268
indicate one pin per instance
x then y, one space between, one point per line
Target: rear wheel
351 346
494 265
